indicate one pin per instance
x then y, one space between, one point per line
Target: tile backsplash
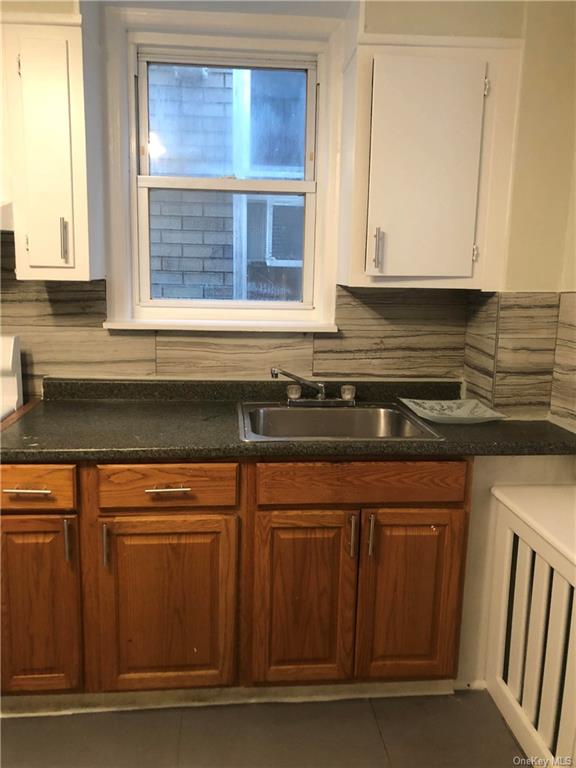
520 352
512 350
564 377
395 332
383 333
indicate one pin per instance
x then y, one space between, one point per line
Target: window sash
144 182
311 102
145 299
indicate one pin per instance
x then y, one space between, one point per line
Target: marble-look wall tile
35 302
527 324
230 355
480 345
509 355
395 333
482 313
528 314
564 378
86 352
479 357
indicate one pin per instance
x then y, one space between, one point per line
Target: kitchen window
225 187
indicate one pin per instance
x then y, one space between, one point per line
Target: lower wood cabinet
371 594
305 572
167 601
409 593
41 625
358 580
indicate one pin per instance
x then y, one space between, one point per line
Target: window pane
226 121
227 246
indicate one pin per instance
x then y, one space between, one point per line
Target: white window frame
127 32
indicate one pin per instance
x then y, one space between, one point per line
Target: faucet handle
348 392
293 391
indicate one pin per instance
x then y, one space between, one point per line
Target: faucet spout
317 385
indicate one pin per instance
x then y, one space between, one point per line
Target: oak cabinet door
41 622
168 601
304 595
409 593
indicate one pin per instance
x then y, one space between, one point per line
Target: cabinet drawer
153 486
361 482
40 486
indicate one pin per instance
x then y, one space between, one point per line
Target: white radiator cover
531 660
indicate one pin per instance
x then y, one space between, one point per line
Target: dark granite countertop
158 428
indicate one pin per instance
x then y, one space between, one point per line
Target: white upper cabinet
47 142
426 164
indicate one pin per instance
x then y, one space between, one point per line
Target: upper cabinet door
47 150
46 142
426 137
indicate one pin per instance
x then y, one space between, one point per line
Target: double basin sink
277 422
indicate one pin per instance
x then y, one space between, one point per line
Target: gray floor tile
460 731
339 734
147 739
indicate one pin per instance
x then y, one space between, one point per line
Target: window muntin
226 193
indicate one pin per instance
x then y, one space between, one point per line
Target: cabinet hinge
487 86
475 253
27 243
19 65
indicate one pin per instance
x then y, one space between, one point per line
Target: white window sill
244 326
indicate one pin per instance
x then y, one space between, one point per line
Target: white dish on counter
469 411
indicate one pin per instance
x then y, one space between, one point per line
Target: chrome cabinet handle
67 541
63 239
105 553
371 536
167 490
353 531
379 249
27 491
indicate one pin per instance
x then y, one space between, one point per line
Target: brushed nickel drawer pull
28 491
105 554
168 490
379 249
371 536
353 526
63 239
67 542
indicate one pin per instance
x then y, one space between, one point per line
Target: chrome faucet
317 385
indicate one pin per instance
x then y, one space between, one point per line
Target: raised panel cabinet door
427 117
304 595
168 601
409 593
41 635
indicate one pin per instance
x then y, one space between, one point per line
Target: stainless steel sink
275 421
